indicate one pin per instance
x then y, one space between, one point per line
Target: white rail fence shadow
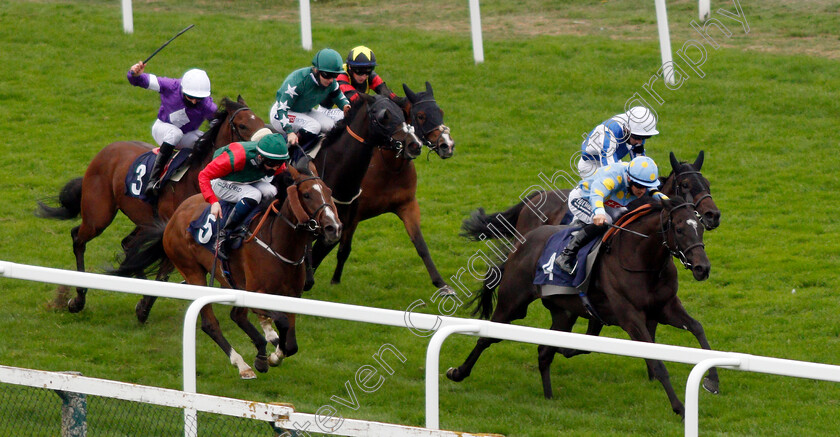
443 327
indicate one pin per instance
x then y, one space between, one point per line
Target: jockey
241 173
302 90
360 77
184 105
601 199
615 138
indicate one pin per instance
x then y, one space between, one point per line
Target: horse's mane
205 144
335 133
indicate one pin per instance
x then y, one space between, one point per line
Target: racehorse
390 185
633 285
345 153
685 180
540 208
270 262
102 191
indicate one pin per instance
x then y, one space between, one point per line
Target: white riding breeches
587 168
312 121
169 133
233 192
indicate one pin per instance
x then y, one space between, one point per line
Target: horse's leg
98 211
593 328
320 250
266 318
561 320
309 282
651 327
674 314
210 326
409 213
239 316
344 247
144 305
635 324
512 304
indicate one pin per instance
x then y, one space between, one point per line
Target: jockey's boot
165 152
567 260
231 229
307 140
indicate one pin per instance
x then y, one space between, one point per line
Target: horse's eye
306 195
679 231
243 127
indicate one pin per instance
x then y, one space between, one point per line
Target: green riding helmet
328 60
273 147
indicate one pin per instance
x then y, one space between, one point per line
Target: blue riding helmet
643 171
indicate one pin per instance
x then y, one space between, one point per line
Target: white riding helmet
642 121
195 83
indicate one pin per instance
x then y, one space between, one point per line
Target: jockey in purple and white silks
601 199
613 139
184 105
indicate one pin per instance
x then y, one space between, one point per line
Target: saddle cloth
139 173
551 279
204 229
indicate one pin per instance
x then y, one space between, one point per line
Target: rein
307 224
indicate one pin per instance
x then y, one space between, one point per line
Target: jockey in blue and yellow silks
602 197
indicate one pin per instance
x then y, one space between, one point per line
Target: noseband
392 144
311 224
676 252
426 129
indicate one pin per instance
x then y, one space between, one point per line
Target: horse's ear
698 163
674 163
312 168
240 99
410 94
429 89
383 116
666 203
293 171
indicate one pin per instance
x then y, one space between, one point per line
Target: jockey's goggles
363 71
328 75
639 137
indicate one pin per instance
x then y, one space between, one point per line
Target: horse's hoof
141 313
275 359
446 290
261 363
73 307
335 281
247 374
711 386
453 375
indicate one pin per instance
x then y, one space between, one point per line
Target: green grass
765 113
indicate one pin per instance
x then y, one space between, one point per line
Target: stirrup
562 265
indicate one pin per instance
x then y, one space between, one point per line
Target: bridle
309 224
233 129
393 144
707 192
429 126
665 226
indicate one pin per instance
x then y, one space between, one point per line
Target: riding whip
167 43
626 230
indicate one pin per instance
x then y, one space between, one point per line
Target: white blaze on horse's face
327 211
693 224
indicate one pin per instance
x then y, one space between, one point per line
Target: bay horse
685 180
102 191
390 186
270 262
373 122
633 284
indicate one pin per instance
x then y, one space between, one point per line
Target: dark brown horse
271 262
633 285
550 207
390 185
102 191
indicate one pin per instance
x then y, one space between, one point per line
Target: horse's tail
143 252
69 200
486 296
503 223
